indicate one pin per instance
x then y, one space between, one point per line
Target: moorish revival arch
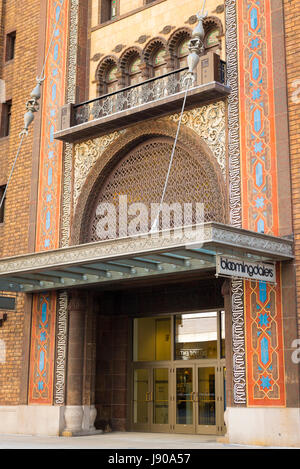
136 165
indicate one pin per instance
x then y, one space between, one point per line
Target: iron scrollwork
130 97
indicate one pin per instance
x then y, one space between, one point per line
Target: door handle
193 396
149 397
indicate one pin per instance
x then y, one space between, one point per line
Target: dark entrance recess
116 310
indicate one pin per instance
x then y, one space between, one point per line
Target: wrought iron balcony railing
141 93
130 97
152 97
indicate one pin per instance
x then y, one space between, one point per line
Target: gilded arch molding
96 158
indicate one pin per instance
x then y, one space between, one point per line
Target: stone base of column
79 421
263 426
68 434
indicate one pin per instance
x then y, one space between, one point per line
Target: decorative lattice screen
141 176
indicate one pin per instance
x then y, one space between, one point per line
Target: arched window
107 76
212 38
159 62
182 53
129 66
111 79
134 71
178 47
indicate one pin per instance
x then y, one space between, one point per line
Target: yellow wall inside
149 21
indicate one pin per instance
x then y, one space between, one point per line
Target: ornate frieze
61 348
235 201
66 205
221 236
238 343
209 123
85 156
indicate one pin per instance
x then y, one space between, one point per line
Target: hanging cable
196 48
156 222
32 106
12 170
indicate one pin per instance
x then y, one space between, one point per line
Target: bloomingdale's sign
232 267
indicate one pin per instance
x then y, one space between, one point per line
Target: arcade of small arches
158 57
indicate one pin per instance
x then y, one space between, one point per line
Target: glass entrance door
141 398
160 400
198 405
184 411
206 399
178 374
151 399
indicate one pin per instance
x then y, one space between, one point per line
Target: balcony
152 98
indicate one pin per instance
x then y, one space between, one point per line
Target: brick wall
111 372
19 75
11 341
292 38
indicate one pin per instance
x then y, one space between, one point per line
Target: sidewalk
117 440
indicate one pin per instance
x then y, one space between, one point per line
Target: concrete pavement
117 440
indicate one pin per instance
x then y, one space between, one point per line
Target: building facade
105 323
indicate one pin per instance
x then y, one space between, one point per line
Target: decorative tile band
264 350
48 210
235 203
61 349
66 205
258 142
265 371
42 349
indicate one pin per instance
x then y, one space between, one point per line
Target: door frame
218 363
149 399
176 427
205 428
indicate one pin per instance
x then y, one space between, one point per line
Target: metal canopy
139 256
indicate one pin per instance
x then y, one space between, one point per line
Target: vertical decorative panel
48 210
42 349
265 344
263 309
235 203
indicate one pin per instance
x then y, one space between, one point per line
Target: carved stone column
89 376
75 364
145 71
169 63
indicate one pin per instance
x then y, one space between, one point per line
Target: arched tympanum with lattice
141 174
